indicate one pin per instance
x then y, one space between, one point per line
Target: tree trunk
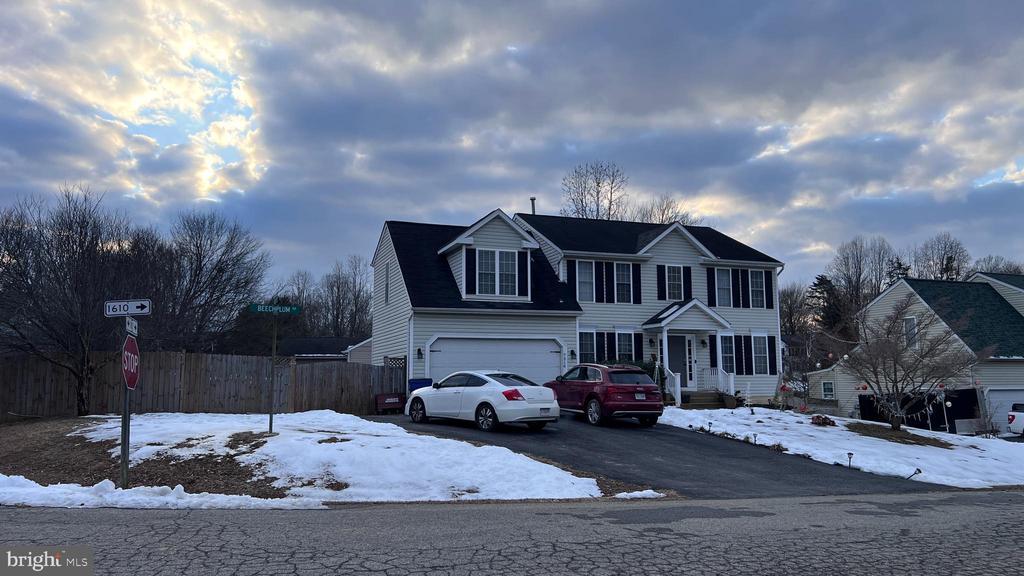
83 383
895 422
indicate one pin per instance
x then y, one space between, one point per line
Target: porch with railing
716 379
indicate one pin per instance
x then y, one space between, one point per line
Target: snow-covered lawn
312 455
971 462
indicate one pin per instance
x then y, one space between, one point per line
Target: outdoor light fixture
572 355
703 343
419 353
650 342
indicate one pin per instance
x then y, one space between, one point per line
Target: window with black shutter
638 287
523 273
712 301
661 281
470 270
687 283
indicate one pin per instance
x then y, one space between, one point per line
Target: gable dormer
490 260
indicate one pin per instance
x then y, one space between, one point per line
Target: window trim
593 280
668 292
917 334
579 342
828 395
767 354
629 279
764 291
497 273
718 288
731 355
631 351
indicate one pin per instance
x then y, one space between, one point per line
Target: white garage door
1000 402
538 360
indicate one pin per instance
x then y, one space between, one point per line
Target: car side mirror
560 378
435 385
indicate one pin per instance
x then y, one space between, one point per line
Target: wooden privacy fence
183 382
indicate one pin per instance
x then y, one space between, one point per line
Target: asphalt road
962 533
665 457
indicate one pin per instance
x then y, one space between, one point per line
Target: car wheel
418 412
648 421
594 415
536 425
486 419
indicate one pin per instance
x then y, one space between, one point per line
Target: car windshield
508 379
631 377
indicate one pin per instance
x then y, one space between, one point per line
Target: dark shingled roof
657 318
982 318
620 237
1015 280
429 280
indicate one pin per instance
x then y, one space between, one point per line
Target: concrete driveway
665 457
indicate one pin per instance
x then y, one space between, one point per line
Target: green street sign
274 309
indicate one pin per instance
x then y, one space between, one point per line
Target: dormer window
497 272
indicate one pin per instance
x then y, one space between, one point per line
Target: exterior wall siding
390 330
428 325
455 259
497 234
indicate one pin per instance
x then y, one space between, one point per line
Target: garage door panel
539 360
999 401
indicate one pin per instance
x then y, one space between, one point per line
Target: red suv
602 392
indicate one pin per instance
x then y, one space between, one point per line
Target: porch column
668 370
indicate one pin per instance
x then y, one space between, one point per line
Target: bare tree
901 364
999 264
595 190
795 314
57 266
359 319
663 209
941 257
219 268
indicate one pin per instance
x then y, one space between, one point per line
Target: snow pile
972 462
316 454
642 494
19 491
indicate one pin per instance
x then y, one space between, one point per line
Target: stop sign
130 362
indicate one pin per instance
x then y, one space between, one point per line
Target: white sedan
487 397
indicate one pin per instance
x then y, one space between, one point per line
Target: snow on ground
972 462
639 495
378 461
17 490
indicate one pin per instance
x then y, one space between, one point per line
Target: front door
677 348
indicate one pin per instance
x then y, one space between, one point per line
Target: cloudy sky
790 125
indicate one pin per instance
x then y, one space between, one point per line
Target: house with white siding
987 315
537 294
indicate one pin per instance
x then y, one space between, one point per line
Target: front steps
701 400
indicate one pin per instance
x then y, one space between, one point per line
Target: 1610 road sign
114 308
130 362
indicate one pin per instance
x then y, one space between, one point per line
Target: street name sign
274 309
130 362
115 308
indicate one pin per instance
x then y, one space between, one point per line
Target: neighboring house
986 315
535 294
360 353
314 348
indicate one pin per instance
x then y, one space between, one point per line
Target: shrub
822 420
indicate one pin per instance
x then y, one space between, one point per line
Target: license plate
641 396
545 410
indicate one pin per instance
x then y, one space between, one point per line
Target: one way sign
115 308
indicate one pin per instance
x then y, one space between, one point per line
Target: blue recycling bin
417 383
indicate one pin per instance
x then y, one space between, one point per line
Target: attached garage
539 359
999 402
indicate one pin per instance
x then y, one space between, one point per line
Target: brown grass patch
249 440
901 437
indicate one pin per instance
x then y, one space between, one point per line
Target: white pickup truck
1015 418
